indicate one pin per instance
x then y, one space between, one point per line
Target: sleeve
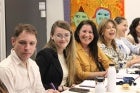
130 38
135 49
103 58
81 74
7 78
39 87
42 60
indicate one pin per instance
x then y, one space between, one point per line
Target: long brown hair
101 28
93 45
69 52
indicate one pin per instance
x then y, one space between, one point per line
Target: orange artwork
95 10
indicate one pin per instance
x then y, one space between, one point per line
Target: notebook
87 83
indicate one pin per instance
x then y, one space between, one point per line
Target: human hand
73 85
56 91
103 73
62 88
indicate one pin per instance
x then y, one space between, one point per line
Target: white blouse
64 68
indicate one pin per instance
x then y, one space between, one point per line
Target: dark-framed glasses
61 36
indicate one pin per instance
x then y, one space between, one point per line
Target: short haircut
24 27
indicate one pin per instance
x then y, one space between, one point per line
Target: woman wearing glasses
56 60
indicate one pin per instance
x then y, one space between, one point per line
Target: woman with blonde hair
107 33
56 60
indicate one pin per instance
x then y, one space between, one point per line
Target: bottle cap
111 64
100 79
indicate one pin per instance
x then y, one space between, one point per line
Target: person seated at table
56 60
130 51
134 32
90 60
107 33
123 43
18 71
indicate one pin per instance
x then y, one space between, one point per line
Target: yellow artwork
95 10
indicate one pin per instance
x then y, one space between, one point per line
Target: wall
2 31
24 11
54 12
131 11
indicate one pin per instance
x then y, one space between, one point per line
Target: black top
50 68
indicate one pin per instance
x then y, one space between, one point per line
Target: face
61 38
122 28
109 32
138 29
86 35
24 45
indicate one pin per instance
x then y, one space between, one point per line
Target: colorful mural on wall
95 10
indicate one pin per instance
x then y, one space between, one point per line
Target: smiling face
122 28
86 35
109 32
24 45
61 38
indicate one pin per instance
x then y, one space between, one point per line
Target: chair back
3 88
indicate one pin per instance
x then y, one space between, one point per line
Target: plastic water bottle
111 78
100 87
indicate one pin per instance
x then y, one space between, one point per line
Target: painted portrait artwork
95 10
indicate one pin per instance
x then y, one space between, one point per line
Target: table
119 88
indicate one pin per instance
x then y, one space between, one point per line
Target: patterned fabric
116 56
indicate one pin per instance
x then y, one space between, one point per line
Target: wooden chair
3 88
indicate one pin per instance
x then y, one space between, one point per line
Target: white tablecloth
119 88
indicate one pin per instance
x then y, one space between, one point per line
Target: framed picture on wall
77 10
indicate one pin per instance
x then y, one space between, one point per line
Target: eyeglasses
60 36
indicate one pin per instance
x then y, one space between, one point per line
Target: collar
15 57
79 46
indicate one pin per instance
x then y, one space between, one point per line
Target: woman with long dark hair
90 61
134 33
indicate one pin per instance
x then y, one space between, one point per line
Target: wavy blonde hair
69 51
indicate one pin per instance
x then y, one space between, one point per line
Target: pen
52 85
